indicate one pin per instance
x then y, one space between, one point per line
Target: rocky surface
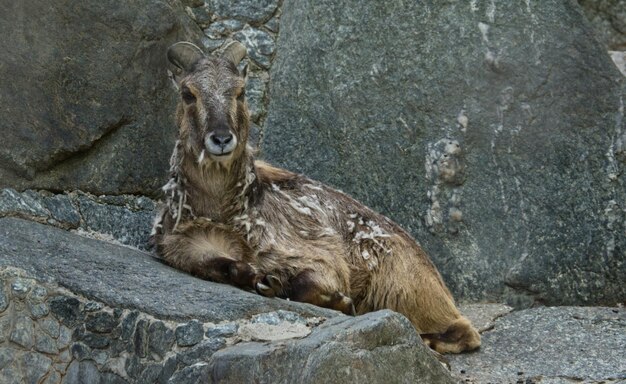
493 131
78 310
123 219
86 94
608 18
550 345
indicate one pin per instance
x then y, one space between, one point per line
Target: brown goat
234 220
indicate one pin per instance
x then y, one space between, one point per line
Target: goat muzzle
220 144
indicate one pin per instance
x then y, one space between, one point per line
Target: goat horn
235 52
184 55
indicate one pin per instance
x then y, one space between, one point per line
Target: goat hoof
269 286
274 282
265 290
343 303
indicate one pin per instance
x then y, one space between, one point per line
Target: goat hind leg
459 337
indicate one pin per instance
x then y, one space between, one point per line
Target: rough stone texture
86 94
189 334
252 11
362 352
124 277
492 131
608 18
124 219
260 45
550 345
483 316
111 338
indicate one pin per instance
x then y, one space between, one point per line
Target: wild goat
234 220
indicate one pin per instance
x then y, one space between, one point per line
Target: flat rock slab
550 345
128 278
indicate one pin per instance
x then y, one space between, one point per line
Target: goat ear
184 55
235 52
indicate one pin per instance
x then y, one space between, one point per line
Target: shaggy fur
235 220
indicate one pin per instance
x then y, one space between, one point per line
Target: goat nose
222 139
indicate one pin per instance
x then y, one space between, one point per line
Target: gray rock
128 325
134 366
273 24
222 330
140 339
169 367
20 287
101 322
92 98
254 11
45 343
7 356
11 374
608 18
260 45
127 226
50 326
5 328
38 294
4 300
53 377
380 347
81 372
92 306
80 351
255 95
223 28
200 352
37 364
126 278
23 332
274 318
94 340
544 344
200 15
197 373
62 210
13 203
150 374
161 338
67 310
529 206
483 316
211 45
39 310
65 337
189 334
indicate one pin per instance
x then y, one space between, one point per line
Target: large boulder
87 311
85 101
492 131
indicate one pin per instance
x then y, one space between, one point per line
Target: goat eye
188 97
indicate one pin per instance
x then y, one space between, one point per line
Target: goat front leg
315 288
210 255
